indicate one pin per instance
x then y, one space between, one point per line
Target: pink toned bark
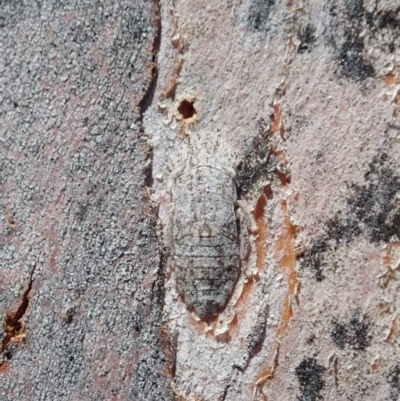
100 101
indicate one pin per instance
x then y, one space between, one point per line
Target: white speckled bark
317 82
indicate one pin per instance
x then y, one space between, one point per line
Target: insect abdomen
206 253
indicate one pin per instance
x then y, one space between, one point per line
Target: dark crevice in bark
157 291
164 348
149 95
174 353
147 99
223 398
14 328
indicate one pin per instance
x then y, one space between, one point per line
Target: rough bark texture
80 295
302 98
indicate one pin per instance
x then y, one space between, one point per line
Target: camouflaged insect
209 241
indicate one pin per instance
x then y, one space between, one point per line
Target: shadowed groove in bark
149 95
147 99
13 327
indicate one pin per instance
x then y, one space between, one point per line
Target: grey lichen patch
307 38
145 380
354 333
310 376
259 14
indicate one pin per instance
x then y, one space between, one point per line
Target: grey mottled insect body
205 249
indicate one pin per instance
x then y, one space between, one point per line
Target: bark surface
80 276
101 101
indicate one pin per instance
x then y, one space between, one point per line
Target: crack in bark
149 95
223 398
14 327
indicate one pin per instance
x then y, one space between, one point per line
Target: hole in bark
186 109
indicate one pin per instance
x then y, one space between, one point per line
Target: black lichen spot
310 339
259 13
377 204
350 48
314 258
394 381
374 210
343 230
375 207
257 163
353 333
309 374
357 25
352 63
351 60
307 39
384 19
389 19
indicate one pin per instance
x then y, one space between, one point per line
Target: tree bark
104 105
80 285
